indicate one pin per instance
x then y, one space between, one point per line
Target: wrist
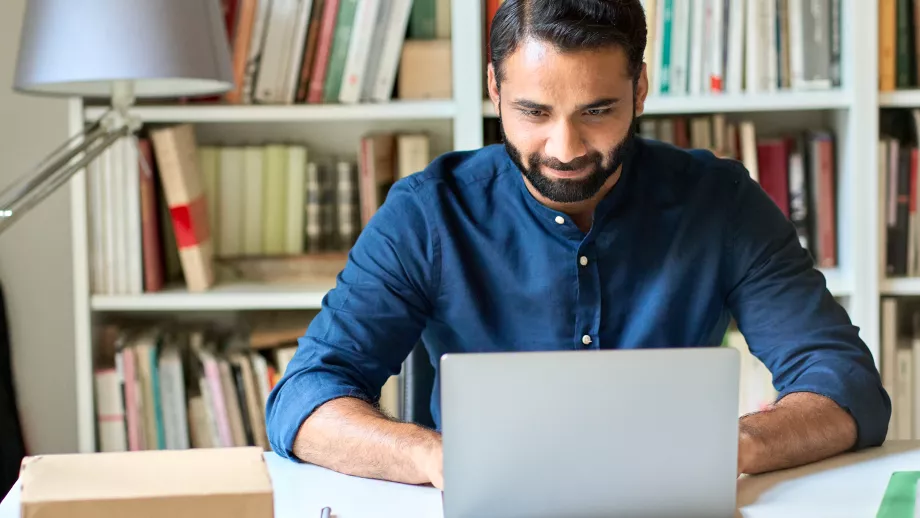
423 449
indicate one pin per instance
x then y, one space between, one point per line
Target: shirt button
586 340
560 220
583 261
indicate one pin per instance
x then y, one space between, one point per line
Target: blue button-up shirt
462 256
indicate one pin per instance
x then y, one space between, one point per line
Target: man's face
566 118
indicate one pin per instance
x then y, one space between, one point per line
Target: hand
746 452
430 462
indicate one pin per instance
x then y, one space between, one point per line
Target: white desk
849 485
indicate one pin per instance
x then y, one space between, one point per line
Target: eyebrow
531 105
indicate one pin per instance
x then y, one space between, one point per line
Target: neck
582 212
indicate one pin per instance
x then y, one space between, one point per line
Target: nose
564 142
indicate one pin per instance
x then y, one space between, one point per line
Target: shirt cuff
854 390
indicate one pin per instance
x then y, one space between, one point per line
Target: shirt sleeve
791 321
368 323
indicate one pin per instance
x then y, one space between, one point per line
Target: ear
493 87
641 90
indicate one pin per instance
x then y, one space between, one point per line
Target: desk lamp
119 50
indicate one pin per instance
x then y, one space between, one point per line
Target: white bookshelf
395 111
737 103
224 297
899 99
457 123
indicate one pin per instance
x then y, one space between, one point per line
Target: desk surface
847 485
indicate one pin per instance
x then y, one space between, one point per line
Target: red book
826 197
773 166
150 221
323 50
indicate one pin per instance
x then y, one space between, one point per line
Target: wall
35 260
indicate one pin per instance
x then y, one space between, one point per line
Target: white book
232 183
377 43
698 45
109 201
134 271
359 49
296 187
256 46
110 411
716 48
748 138
120 205
392 50
97 204
889 359
752 53
273 65
734 66
680 47
260 371
651 46
662 11
172 399
769 47
796 42
297 47
253 170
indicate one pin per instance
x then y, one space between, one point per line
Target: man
573 235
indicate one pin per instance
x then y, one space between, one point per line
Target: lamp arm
59 166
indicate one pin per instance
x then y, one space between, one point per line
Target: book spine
323 52
309 54
342 39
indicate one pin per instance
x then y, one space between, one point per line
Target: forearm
352 437
799 429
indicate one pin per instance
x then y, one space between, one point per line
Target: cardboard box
425 70
224 482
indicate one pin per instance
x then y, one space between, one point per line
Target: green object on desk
901 495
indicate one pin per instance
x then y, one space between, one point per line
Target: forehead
538 66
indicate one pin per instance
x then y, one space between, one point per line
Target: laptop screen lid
638 432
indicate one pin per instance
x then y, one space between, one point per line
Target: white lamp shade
160 48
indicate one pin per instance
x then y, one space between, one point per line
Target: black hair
570 25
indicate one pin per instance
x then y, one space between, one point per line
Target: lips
577 173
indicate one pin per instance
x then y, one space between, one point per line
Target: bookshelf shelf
775 102
838 283
899 99
396 110
904 286
227 297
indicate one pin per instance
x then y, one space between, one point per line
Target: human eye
532 114
597 112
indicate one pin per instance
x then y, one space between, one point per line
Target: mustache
579 163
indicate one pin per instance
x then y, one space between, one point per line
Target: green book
900 495
157 400
341 40
666 47
423 20
274 199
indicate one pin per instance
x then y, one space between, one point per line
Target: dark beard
566 190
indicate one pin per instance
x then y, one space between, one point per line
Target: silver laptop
638 433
